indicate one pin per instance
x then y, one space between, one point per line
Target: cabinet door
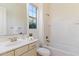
21 50
31 53
32 45
11 53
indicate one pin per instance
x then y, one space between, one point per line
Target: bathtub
59 52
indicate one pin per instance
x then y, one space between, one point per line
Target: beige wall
46 19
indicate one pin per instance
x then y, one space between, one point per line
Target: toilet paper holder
47 39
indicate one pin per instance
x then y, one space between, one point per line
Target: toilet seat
43 51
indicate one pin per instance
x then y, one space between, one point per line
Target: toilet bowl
43 51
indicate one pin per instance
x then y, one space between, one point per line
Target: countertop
8 46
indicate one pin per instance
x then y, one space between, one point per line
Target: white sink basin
13 43
8 44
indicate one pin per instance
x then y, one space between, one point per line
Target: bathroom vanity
18 48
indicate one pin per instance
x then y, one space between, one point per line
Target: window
32 16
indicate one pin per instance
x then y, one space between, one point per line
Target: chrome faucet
13 39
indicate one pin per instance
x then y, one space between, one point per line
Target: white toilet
44 50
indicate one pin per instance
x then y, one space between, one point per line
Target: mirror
13 18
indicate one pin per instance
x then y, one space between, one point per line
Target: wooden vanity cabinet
21 50
11 53
31 50
30 53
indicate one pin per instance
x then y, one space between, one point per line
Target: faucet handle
15 38
11 39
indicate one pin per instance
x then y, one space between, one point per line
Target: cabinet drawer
11 53
30 53
21 50
32 45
